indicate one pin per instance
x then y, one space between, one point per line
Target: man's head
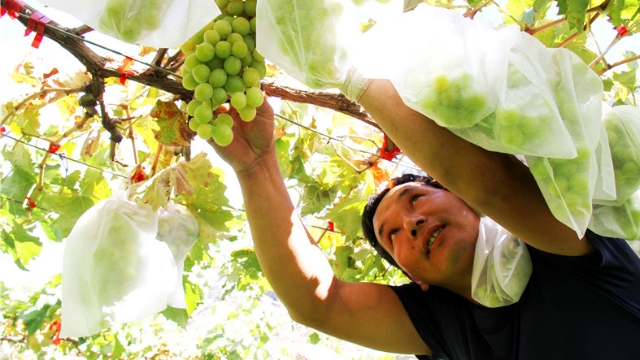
373 203
423 229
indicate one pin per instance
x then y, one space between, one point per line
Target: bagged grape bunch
309 39
222 64
447 67
621 217
114 269
569 185
178 228
501 266
526 120
156 23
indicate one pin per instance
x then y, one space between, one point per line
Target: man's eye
392 234
415 197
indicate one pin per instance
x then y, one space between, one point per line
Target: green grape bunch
127 19
222 65
625 153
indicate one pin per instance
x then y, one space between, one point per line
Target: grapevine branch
100 67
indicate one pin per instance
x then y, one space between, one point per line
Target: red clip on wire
388 155
53 148
622 30
124 69
36 22
11 7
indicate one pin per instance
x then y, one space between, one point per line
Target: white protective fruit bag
314 40
178 228
622 124
501 266
569 185
156 23
114 269
443 65
619 221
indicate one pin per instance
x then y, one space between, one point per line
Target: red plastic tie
3 129
11 7
30 202
622 30
331 226
124 69
388 155
37 22
53 148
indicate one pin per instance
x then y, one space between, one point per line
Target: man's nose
412 224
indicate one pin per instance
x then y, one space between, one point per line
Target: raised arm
367 314
496 184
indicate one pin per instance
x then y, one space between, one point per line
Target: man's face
431 233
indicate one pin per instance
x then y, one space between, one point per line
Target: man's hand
252 141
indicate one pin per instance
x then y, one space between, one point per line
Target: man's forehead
392 196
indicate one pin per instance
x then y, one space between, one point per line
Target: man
430 233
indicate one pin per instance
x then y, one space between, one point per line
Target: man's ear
422 285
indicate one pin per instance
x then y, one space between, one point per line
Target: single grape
219 96
223 28
194 125
241 26
250 7
222 135
201 73
188 82
205 51
203 114
223 49
232 65
238 100
192 105
188 46
257 56
205 131
218 78
247 113
203 92
252 23
191 61
198 37
254 97
260 66
212 37
251 77
224 119
239 49
235 7
250 41
215 63
222 3
247 60
234 84
234 37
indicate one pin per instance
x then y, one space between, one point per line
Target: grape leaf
33 319
179 316
575 12
315 198
18 156
17 185
174 130
69 208
203 193
347 216
21 245
626 79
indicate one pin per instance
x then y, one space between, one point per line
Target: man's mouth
432 239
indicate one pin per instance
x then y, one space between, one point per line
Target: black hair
374 201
